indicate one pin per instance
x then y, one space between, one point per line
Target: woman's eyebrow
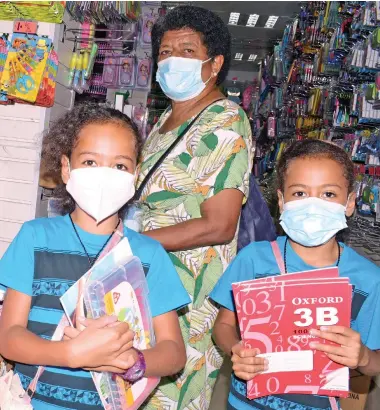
188 43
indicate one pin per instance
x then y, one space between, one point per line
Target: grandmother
192 202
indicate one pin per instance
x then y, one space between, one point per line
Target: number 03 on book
276 315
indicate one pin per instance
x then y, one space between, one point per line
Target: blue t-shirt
44 261
256 261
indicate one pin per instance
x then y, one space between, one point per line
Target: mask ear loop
204 62
348 199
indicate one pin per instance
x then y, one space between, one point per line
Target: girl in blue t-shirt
315 194
96 149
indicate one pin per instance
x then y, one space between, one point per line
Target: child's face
316 177
102 145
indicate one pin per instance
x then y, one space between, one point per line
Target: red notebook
276 315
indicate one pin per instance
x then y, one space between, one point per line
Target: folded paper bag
12 394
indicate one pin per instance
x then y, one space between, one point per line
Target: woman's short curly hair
215 34
62 137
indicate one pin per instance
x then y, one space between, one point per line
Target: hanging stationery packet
25 66
46 93
140 117
127 71
93 51
78 74
43 11
146 25
4 46
144 73
110 71
116 285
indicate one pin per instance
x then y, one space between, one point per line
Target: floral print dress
213 156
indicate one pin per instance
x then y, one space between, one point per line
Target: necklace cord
285 248
91 261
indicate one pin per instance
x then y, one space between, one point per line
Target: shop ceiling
254 39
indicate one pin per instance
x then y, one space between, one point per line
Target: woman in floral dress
192 202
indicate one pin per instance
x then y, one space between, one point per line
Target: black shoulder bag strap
139 191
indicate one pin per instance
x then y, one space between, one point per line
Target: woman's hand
103 344
245 364
350 351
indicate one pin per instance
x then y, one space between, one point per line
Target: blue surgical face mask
181 78
312 221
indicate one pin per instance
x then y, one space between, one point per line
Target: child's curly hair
315 149
62 137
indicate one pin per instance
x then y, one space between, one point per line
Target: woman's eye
121 167
189 51
299 194
164 52
89 163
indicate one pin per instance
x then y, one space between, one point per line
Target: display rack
322 81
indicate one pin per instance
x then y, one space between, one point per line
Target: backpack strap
278 256
280 262
333 403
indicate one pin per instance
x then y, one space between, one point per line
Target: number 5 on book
249 335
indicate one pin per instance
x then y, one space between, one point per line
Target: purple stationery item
140 119
144 73
127 71
110 71
147 23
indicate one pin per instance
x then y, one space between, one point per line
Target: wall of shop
242 76
21 130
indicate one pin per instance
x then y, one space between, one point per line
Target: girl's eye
189 51
164 52
121 167
329 195
299 194
89 163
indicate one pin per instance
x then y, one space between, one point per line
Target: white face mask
100 191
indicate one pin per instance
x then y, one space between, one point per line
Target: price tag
25 26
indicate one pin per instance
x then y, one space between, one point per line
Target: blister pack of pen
123 291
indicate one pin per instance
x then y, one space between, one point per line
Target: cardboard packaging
359 388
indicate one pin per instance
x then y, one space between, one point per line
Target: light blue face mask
312 221
181 78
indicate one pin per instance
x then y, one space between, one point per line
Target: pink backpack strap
278 256
333 403
280 262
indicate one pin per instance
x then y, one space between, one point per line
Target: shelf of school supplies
364 236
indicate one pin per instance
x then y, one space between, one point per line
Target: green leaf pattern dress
214 155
